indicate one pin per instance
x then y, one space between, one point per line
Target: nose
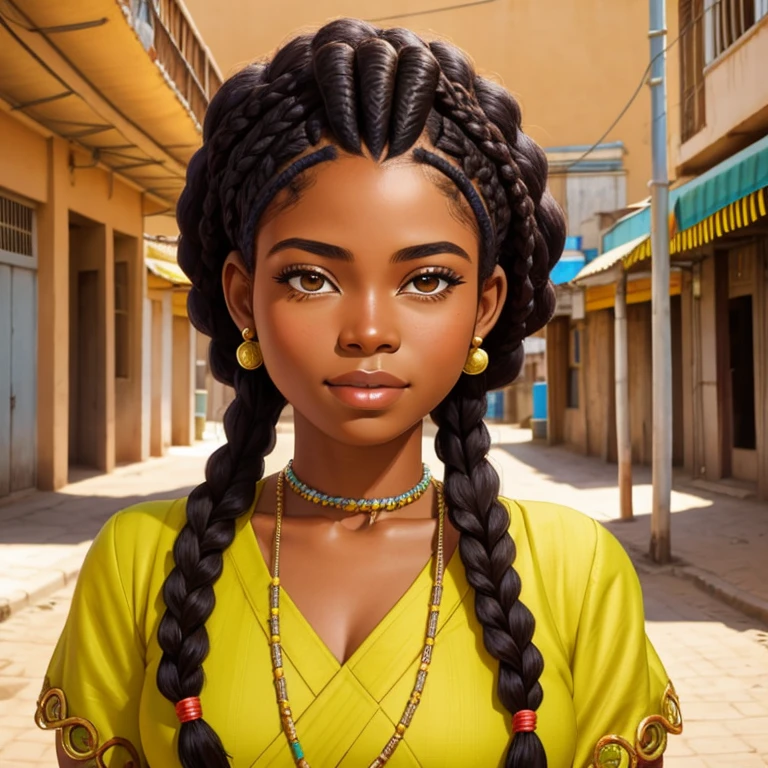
369 326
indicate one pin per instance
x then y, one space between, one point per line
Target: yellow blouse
607 701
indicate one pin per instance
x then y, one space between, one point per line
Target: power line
625 108
433 10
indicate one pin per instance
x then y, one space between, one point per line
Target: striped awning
730 182
609 259
737 215
160 259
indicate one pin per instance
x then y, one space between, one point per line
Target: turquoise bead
298 752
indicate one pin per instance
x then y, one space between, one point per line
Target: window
727 20
122 334
15 227
574 366
692 62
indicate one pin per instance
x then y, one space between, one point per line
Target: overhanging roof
81 71
160 258
608 260
737 177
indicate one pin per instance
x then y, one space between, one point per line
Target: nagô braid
353 84
212 508
488 552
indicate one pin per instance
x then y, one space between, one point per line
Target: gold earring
249 352
477 359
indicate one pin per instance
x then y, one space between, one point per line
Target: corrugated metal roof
609 259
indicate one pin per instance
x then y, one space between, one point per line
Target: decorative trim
79 737
650 738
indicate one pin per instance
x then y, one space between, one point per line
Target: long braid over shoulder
352 85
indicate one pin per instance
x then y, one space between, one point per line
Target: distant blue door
18 386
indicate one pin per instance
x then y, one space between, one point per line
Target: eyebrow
342 254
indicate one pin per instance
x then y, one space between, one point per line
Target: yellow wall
38 167
572 65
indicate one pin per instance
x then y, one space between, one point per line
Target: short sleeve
625 704
93 684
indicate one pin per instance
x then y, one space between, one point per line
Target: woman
369 238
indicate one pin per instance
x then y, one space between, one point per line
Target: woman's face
365 298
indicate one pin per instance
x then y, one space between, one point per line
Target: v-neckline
300 641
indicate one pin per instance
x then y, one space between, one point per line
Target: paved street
716 656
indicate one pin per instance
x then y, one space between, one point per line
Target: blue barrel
495 409
540 400
539 417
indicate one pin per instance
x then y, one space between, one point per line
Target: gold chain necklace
281 688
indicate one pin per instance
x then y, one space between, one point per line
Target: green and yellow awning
728 197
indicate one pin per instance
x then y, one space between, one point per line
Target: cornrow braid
353 84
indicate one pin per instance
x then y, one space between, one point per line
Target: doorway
742 370
18 346
87 338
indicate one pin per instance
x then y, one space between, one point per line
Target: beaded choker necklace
371 506
281 688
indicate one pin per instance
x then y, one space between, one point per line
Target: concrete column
162 350
53 325
557 378
183 382
688 367
710 438
129 421
623 435
146 368
108 319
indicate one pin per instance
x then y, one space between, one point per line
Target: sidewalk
44 535
719 542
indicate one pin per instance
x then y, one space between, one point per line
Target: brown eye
308 282
311 282
426 283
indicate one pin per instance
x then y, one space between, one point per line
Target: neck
367 471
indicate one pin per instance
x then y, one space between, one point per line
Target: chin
371 429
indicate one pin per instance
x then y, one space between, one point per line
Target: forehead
355 200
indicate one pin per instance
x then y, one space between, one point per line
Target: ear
492 299
238 290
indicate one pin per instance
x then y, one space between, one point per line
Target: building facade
719 257
100 111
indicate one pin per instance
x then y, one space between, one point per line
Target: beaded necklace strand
371 506
281 688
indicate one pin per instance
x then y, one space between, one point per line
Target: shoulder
554 527
142 526
133 552
570 556
576 540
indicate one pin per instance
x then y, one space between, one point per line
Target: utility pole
660 548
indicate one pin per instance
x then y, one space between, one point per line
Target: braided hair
354 84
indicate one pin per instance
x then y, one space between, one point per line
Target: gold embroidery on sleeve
79 737
650 739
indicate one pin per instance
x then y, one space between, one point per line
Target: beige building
718 144
101 104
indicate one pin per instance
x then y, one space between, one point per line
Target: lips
367 380
367 390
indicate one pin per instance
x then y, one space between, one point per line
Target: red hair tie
189 709
524 721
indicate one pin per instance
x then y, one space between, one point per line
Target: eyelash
298 270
